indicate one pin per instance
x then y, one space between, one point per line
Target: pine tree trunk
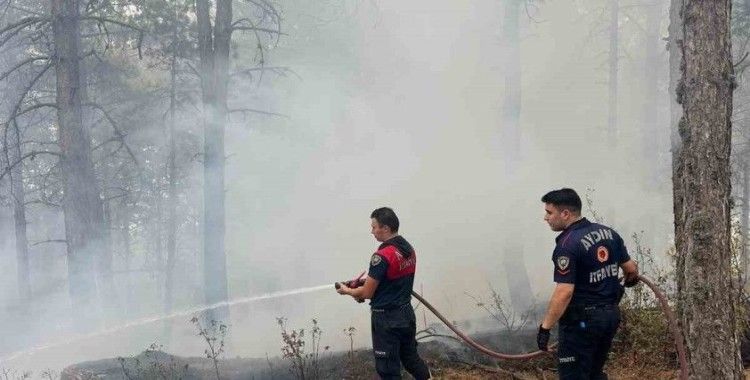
214 48
82 205
614 56
511 129
704 277
675 59
744 215
651 94
132 306
517 276
172 199
18 196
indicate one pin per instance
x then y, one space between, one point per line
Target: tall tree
511 117
613 62
517 276
213 45
675 109
702 184
172 186
744 219
18 197
16 89
84 219
650 100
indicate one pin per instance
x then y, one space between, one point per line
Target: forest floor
447 360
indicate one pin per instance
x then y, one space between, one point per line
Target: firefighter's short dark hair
386 217
564 198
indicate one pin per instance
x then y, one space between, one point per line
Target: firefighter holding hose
388 285
587 259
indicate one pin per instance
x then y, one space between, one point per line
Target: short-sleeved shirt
393 265
589 255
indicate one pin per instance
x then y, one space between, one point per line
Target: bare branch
142 270
22 9
274 69
22 23
255 28
250 110
267 8
741 59
104 20
193 69
17 107
21 64
105 142
42 202
48 242
12 30
120 135
35 107
30 155
259 42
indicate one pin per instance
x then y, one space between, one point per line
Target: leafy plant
304 365
214 335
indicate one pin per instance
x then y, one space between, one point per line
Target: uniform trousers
394 343
585 338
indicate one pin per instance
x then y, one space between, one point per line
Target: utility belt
582 312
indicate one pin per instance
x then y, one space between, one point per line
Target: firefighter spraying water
587 260
388 284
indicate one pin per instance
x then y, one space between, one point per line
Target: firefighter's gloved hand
542 338
629 283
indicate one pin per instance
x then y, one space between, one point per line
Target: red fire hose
673 326
472 343
672 322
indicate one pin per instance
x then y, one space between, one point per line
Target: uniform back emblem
563 262
602 254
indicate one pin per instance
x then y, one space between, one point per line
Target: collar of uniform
583 222
388 242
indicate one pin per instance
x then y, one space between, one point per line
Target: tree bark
650 105
214 45
132 307
675 58
614 56
511 129
744 215
517 276
704 277
84 221
18 196
172 196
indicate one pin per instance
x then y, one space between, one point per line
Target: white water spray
148 320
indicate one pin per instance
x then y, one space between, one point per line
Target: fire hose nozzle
351 283
355 283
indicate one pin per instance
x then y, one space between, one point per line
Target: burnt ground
447 360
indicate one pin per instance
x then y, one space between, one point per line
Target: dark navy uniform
394 325
588 255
